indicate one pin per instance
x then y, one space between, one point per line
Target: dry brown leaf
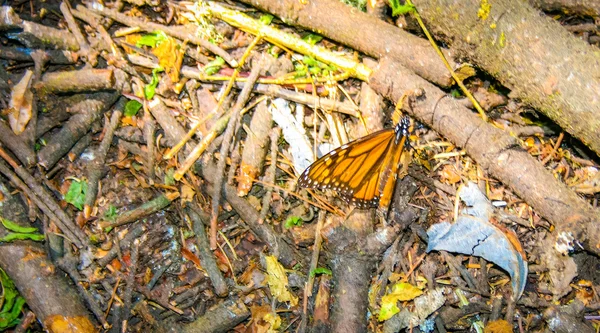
20 104
498 326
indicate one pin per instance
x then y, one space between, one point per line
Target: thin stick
467 93
554 149
195 128
227 138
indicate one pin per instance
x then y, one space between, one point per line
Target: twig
96 168
16 145
278 37
179 32
84 48
43 199
130 284
69 264
132 235
174 132
206 256
192 131
270 175
554 149
152 206
80 80
149 129
464 89
75 128
227 138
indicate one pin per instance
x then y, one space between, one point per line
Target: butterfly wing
389 174
354 169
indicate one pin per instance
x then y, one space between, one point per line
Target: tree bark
496 152
55 303
362 32
542 63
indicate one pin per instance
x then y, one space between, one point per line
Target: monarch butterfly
363 171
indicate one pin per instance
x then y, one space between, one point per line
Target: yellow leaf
264 320
401 291
187 193
170 56
498 326
278 281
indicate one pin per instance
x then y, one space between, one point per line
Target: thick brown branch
533 55
495 151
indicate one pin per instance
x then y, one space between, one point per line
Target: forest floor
152 178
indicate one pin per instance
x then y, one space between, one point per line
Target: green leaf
312 39
76 194
320 270
11 236
310 61
400 9
132 107
266 19
169 179
293 221
456 93
111 213
149 89
9 293
153 39
12 226
214 66
11 317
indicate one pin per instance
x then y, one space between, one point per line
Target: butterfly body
363 171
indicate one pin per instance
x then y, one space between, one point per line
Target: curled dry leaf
424 306
278 281
255 148
264 320
20 104
401 291
473 234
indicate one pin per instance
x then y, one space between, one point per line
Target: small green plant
293 221
11 302
149 89
153 39
319 271
132 107
18 232
76 193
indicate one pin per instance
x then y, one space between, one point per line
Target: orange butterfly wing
360 170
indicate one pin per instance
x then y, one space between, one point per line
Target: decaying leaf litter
155 148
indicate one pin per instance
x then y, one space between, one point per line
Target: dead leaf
170 55
561 270
187 193
401 291
187 254
20 104
498 326
424 306
278 281
473 234
449 175
264 320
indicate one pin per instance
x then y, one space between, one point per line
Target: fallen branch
496 152
361 32
55 302
526 52
76 127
